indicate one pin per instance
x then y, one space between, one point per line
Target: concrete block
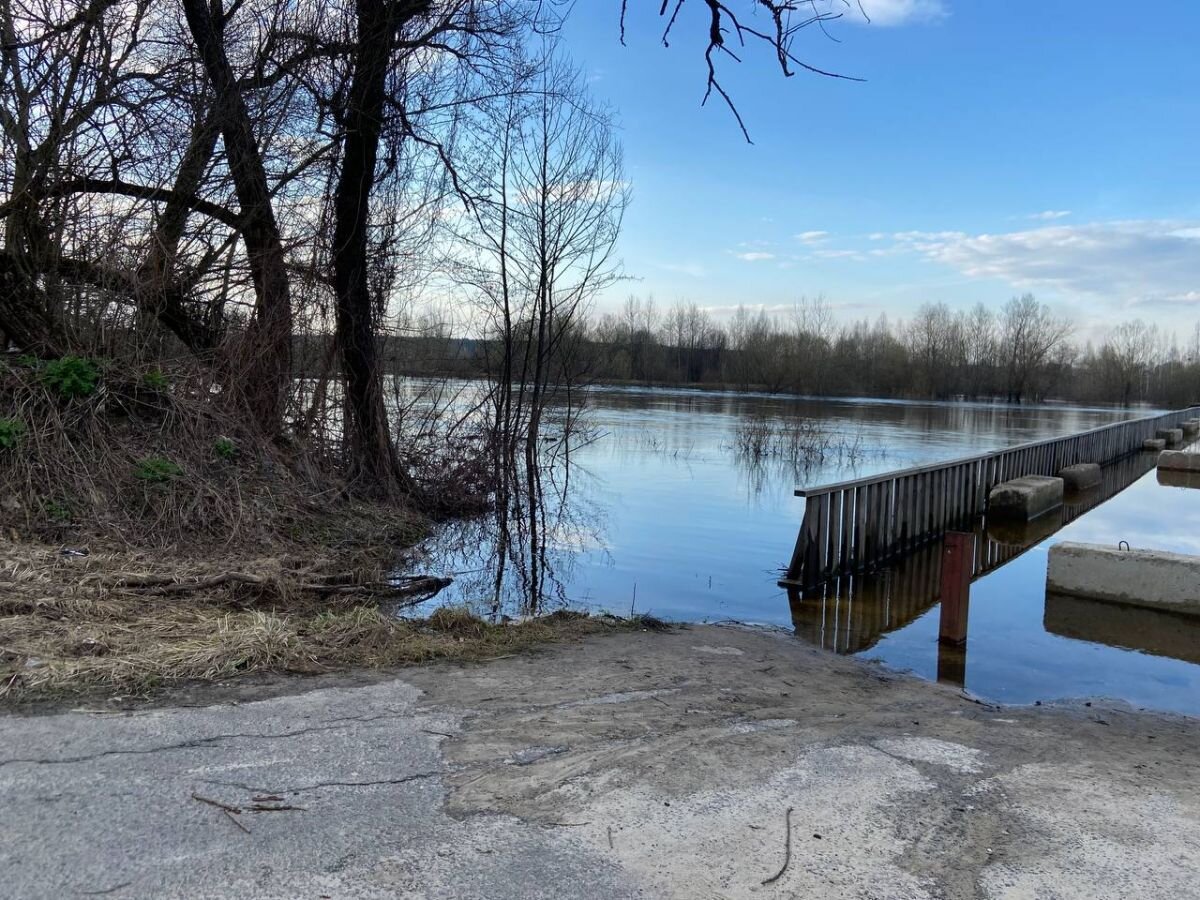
1191 428
1171 435
1149 578
1175 478
1154 444
1026 498
1080 476
1179 461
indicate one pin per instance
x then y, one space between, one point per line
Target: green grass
11 432
71 376
157 470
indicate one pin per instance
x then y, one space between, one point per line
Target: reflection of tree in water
518 558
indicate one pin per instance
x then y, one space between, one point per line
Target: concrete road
638 765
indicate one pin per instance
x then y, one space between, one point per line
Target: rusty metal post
958 554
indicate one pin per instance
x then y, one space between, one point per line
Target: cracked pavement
633 765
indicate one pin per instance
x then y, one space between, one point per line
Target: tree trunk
263 361
156 293
28 317
372 456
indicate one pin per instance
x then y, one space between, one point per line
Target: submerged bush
71 376
158 470
11 432
798 442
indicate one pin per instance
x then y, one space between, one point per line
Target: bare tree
1031 337
979 334
264 355
1127 354
551 195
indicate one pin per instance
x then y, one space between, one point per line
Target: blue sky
1050 146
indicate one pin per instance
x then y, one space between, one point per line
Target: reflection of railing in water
856 525
850 613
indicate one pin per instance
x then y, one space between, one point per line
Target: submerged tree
550 196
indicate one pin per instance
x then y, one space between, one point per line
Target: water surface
664 516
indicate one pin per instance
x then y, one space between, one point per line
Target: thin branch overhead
725 26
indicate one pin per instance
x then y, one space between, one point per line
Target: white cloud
754 256
585 191
1119 263
811 237
1186 299
691 269
896 12
838 254
728 309
1049 215
722 311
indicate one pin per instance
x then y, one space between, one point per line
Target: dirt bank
127 623
629 765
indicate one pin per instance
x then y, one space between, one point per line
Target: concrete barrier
1191 428
1026 498
1154 444
1149 578
1080 476
1179 461
1171 435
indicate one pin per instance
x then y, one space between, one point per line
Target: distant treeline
1021 352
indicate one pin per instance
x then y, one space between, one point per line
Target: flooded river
662 511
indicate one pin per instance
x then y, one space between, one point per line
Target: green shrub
224 448
57 510
155 380
11 432
71 376
157 470
27 361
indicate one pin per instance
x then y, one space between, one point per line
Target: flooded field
662 510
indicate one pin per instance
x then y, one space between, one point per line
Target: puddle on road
1022 644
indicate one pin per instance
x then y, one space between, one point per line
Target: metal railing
849 613
852 526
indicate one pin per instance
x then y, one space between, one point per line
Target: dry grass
68 626
210 552
170 464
